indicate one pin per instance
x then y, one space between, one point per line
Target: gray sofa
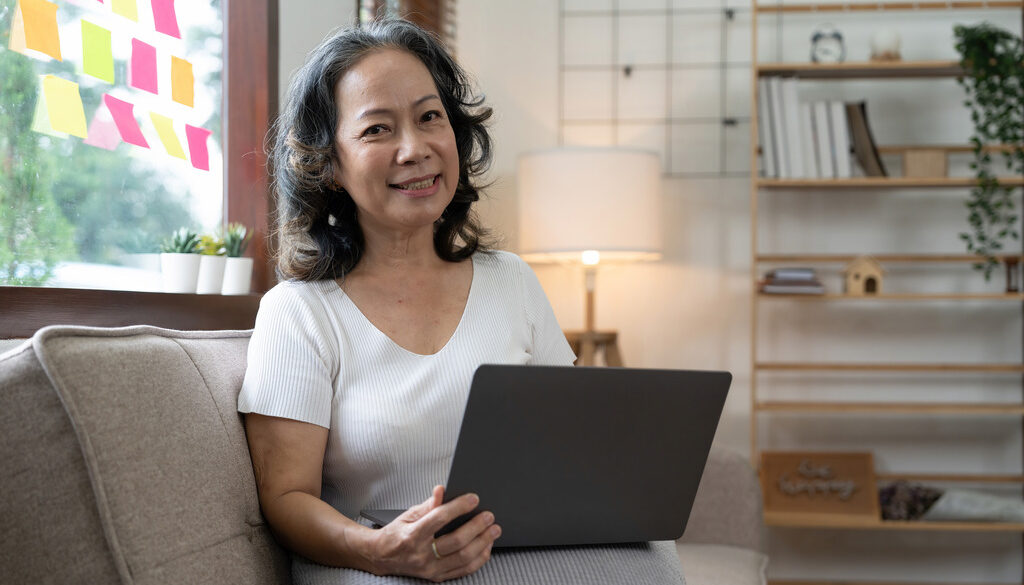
125 462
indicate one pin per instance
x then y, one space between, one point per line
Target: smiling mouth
417 185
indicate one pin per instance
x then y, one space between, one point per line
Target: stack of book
791 281
812 140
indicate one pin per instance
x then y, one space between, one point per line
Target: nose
412 148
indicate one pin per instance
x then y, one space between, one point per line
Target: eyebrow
376 111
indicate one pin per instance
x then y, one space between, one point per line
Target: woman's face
396 148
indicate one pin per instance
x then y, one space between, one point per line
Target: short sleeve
550 347
289 370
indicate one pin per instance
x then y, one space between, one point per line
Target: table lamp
590 206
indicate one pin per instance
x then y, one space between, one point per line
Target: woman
361 362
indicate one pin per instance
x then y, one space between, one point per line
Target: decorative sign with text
819 483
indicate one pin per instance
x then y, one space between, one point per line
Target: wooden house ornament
863 277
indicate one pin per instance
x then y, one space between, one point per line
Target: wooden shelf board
950 477
888 6
797 520
1018 297
882 258
872 367
882 183
862 70
848 582
892 408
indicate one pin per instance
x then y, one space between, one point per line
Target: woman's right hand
406 546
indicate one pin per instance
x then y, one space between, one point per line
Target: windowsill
23 310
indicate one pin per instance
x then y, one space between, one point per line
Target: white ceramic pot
237 276
180 272
211 274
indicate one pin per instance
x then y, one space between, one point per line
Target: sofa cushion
51 531
714 564
154 413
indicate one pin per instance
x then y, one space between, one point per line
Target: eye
374 130
431 116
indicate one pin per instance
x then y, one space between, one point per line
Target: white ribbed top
394 415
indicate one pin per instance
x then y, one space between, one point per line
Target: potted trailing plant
212 258
993 62
179 261
237 270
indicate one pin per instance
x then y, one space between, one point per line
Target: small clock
827 45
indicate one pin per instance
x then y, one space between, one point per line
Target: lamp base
587 344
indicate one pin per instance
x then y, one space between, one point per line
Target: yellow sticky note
17 42
126 8
40 19
97 56
165 130
64 106
182 82
41 119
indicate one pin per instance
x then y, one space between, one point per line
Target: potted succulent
212 258
237 270
179 261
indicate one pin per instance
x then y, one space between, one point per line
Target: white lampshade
576 200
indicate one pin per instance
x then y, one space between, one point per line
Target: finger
465 534
471 553
420 510
440 516
470 568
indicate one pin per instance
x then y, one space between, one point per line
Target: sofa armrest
727 508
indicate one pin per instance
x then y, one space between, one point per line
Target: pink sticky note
142 73
197 146
165 19
103 133
121 111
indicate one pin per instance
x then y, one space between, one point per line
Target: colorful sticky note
182 82
97 57
17 42
142 73
40 25
64 106
197 146
103 132
41 119
126 8
121 111
164 18
165 130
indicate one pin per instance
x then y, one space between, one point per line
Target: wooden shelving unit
768 411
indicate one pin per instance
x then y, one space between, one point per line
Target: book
840 139
769 165
823 138
864 148
794 148
779 127
785 288
812 169
791 274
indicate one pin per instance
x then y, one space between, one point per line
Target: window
109 148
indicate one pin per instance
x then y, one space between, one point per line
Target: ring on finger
433 547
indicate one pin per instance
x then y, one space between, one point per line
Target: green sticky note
97 56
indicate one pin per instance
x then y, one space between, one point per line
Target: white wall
693 309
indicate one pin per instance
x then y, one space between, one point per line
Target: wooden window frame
250 105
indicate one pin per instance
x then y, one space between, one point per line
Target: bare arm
287 457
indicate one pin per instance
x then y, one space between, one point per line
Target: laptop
583 455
